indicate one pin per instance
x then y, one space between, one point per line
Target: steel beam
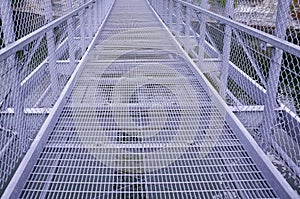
274 72
226 50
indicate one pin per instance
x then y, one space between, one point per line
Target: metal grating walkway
138 124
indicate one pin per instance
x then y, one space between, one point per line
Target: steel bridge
149 99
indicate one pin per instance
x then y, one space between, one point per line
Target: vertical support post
274 73
163 14
82 29
187 21
98 13
15 75
71 40
202 34
7 22
103 9
171 10
8 38
99 16
178 24
94 17
90 23
51 50
226 49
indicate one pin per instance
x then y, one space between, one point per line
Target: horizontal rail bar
283 189
28 111
270 39
17 45
15 185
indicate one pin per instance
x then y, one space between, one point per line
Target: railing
36 61
256 72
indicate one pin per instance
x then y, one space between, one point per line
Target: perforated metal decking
138 124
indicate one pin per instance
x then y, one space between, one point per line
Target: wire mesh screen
259 79
258 14
281 137
261 14
267 15
34 68
139 124
28 16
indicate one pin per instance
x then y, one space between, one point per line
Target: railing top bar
17 45
271 39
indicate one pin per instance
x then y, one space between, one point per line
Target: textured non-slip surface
138 124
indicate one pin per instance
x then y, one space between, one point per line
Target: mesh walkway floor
138 124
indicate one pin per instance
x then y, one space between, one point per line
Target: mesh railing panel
261 14
34 68
103 144
139 124
256 73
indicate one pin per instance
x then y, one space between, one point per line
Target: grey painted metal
136 65
97 139
7 22
250 86
26 64
51 49
103 4
89 25
71 37
275 68
226 49
202 34
9 38
171 12
27 85
82 29
94 18
294 195
250 57
258 93
269 115
178 18
269 39
187 29
17 45
24 169
97 13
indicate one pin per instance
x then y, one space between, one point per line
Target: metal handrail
17 45
271 39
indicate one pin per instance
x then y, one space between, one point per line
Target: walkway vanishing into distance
139 120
